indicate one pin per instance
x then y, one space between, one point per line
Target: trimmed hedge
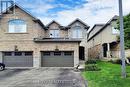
91 62
118 61
92 67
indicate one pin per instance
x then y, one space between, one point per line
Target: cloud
95 11
65 11
91 13
36 7
126 6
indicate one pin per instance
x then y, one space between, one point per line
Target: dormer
78 29
53 29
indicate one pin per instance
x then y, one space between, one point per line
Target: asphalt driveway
43 77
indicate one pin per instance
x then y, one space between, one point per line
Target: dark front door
104 50
81 53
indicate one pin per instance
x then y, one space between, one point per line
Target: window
18 53
17 26
57 53
115 31
54 33
67 53
77 32
7 53
28 53
46 53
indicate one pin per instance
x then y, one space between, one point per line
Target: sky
65 11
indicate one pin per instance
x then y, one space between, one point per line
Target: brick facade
95 52
25 41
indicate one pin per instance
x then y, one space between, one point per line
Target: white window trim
54 36
77 35
14 31
115 33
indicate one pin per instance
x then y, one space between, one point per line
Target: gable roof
17 6
52 23
61 27
94 27
108 23
78 20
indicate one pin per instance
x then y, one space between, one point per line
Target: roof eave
52 22
98 31
39 21
79 21
66 41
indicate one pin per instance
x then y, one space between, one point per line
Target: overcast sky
65 11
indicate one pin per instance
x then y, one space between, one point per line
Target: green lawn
109 76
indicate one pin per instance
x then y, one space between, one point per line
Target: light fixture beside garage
56 48
15 48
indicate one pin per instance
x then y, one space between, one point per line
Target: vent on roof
5 7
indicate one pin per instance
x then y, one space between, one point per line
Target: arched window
77 32
17 26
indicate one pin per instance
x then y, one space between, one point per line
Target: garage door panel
57 60
18 61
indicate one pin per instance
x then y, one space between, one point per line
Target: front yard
109 76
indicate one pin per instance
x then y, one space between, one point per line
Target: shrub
92 67
110 61
128 58
91 62
118 61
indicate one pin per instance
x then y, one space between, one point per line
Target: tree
126 30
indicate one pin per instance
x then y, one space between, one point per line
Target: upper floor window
77 32
54 33
17 26
115 31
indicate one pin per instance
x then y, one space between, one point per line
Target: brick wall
95 52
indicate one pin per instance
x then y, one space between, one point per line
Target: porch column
101 54
108 50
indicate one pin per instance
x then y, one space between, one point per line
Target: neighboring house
103 40
26 42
